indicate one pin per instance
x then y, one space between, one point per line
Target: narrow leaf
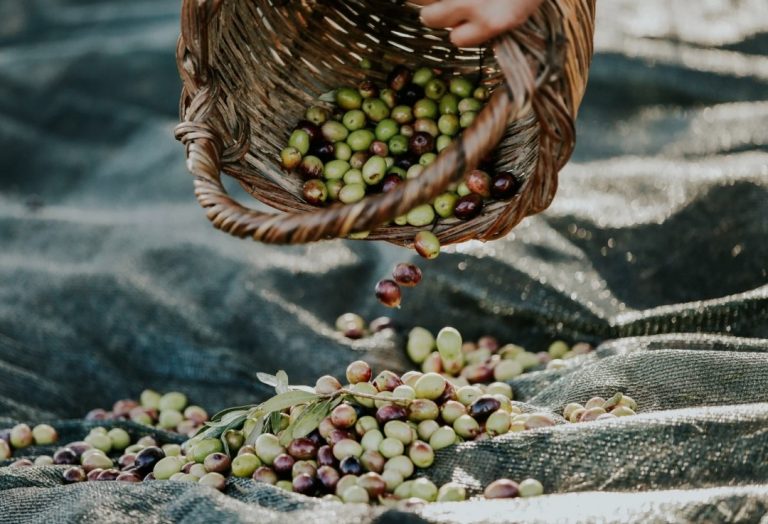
266 378
310 419
329 97
256 431
282 382
308 389
286 400
218 416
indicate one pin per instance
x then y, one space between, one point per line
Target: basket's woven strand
536 67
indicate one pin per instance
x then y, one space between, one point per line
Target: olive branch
267 416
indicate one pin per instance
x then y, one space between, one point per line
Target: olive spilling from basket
375 138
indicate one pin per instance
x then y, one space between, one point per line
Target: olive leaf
329 97
257 430
217 429
218 416
286 400
282 382
266 378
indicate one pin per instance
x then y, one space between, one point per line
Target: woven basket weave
251 67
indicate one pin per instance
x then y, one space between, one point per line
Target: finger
446 13
469 35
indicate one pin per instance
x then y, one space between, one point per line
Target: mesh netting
655 250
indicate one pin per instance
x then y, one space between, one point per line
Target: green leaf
309 419
218 416
257 430
282 382
301 388
286 400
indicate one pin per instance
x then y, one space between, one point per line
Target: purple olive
283 465
373 484
504 185
126 461
337 435
379 148
468 206
65 456
328 477
94 474
502 489
302 449
368 89
323 150
420 143
390 412
350 466
147 458
217 463
478 373
325 456
372 460
304 484
482 408
387 381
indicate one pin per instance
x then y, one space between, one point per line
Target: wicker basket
251 67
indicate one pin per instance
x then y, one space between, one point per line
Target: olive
468 207
427 244
390 182
435 89
372 483
311 167
328 477
147 458
399 77
324 150
311 129
481 408
402 114
368 89
387 381
65 456
264 474
304 484
426 125
348 98
74 474
421 143
379 148
502 489
390 412
315 192
410 94
504 185
283 464
302 449
350 466
479 183
407 275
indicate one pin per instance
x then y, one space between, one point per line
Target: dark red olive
407 275
410 94
372 461
108 474
406 161
468 206
94 473
265 475
479 182
387 381
350 466
311 129
478 373
74 474
379 148
328 477
388 293
325 456
449 393
420 143
283 464
128 476
502 489
65 456
323 149
368 89
399 77
481 408
338 434
358 159
390 412
315 191
302 449
504 185
390 182
373 484
304 484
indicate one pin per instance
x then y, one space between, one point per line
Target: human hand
474 22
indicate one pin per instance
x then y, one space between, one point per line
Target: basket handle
206 152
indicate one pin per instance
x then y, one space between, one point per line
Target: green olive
422 75
354 120
425 108
444 204
375 109
461 87
353 176
435 89
348 98
374 170
300 141
448 125
402 114
335 169
386 129
421 215
470 104
351 193
360 140
398 145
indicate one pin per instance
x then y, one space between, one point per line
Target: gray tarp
111 280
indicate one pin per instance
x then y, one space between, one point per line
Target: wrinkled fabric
655 250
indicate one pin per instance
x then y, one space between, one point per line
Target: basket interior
273 59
